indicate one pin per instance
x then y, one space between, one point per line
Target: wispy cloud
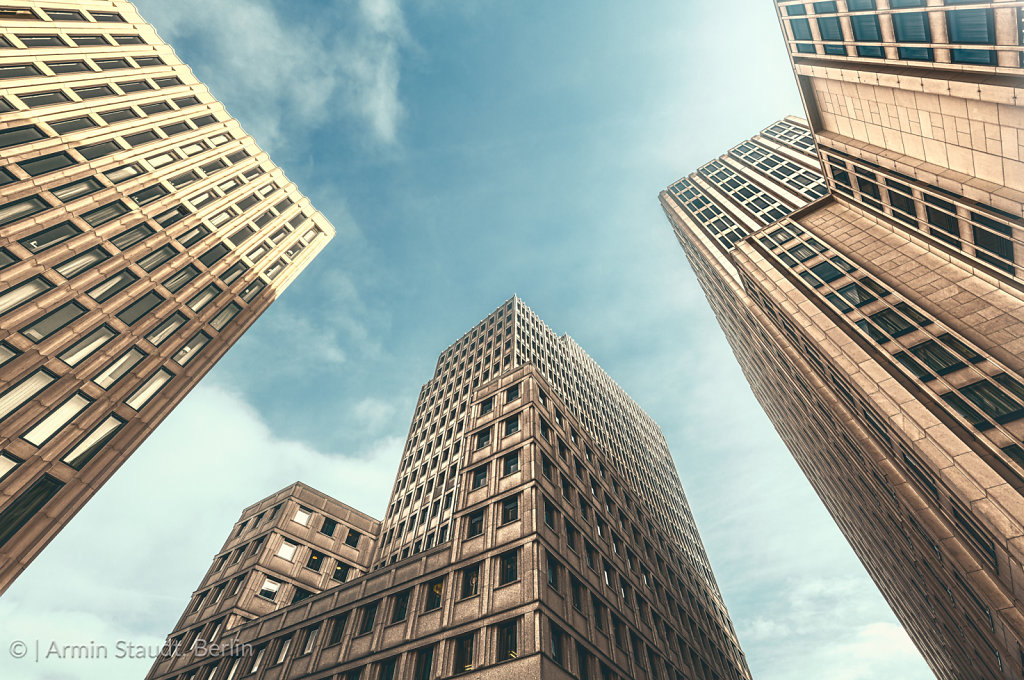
309 69
124 568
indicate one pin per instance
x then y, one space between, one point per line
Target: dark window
512 425
94 91
942 216
510 509
185 102
93 151
337 629
134 86
128 40
214 254
508 640
435 589
470 581
20 135
167 82
510 463
203 121
475 524
48 238
478 477
89 40
315 561
138 309
64 15
400 606
914 367
961 348
108 17
508 567
42 41
175 129
141 138
148 61
424 664
827 272
352 539
112 64
117 115
991 243
368 616
68 66
341 572
487 405
150 194
830 29
154 107
18 513
992 401
856 295
553 572
463 654
72 124
52 322
328 526
936 357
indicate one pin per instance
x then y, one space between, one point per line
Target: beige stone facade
881 327
536 529
141 233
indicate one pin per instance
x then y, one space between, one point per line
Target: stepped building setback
881 326
537 529
141 233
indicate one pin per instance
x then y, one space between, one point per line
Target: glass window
72 124
463 662
76 265
827 272
178 280
48 325
50 425
830 29
20 209
104 214
127 239
74 355
157 258
138 309
936 357
77 189
94 151
49 163
508 567
470 581
856 295
225 316
18 513
112 286
203 298
119 368
50 237
149 389
166 328
86 449
22 293
992 401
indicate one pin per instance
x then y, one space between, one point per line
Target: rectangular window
315 561
7 464
341 572
87 345
191 348
23 292
149 389
62 127
56 419
17 514
510 463
117 115
94 91
328 526
178 280
112 286
478 477
94 151
29 387
156 258
937 357
150 194
49 163
269 589
475 524
225 316
435 591
81 263
470 581
352 540
512 425
20 209
51 323
76 189
508 640
138 309
400 606
463 654
992 401
37 99
203 298
510 509
942 215
159 334
136 234
119 368
369 615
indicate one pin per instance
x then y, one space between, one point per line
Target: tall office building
536 529
882 326
141 233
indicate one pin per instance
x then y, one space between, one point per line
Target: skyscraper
881 326
536 528
141 233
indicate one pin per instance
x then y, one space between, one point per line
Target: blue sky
465 151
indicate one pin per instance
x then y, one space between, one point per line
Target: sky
466 151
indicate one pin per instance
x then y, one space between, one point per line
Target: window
203 298
424 664
557 644
52 322
341 572
328 526
512 425
550 515
178 280
18 210
138 309
400 606
510 464
337 629
191 348
81 263
892 323
315 561
269 589
936 357
18 513
478 477
507 636
282 652
302 515
856 295
992 401
435 589
512 393
510 509
72 124
287 550
119 368
475 524
158 335
463 654
508 567
553 572
352 540
56 419
312 633
225 315
483 438
87 345
487 405
470 581
23 292
49 163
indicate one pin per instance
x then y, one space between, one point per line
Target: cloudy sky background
466 151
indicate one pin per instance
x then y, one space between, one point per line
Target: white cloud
300 68
125 567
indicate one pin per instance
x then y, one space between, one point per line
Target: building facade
881 327
141 233
536 529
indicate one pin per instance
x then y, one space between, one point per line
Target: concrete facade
536 529
141 233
